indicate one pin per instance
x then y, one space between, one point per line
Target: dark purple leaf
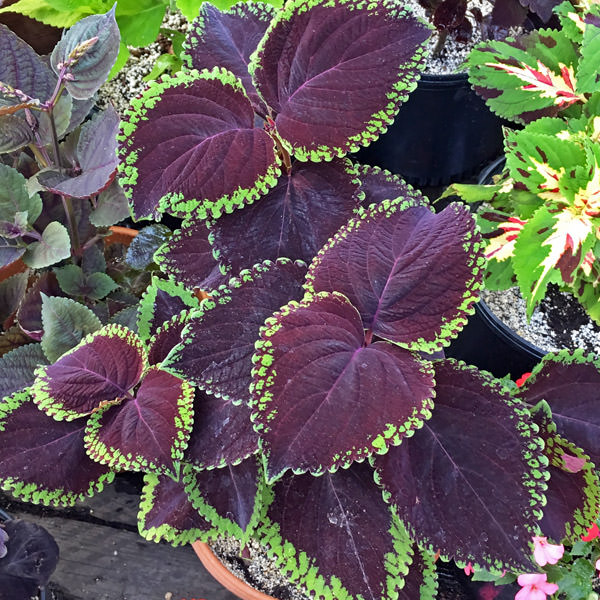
335 74
222 433
17 368
167 514
189 143
96 155
542 8
421 581
102 368
569 384
81 109
32 552
43 460
216 353
294 219
29 315
507 13
22 68
378 185
411 273
449 14
167 336
228 497
323 397
188 257
145 433
161 301
227 39
478 454
340 525
87 53
573 494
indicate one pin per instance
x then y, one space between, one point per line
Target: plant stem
55 139
368 337
68 206
442 35
38 156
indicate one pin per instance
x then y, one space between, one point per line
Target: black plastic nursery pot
489 344
443 133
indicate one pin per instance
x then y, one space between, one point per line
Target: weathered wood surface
102 557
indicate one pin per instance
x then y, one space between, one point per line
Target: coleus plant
540 216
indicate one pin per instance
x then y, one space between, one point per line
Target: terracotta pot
120 235
17 266
227 579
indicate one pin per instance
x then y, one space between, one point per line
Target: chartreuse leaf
189 8
313 366
17 368
162 299
479 441
412 274
227 38
335 73
304 209
65 323
140 21
421 581
528 78
45 12
345 508
167 514
14 197
148 432
101 369
229 497
43 460
215 418
573 494
218 341
567 382
54 246
588 80
87 51
209 159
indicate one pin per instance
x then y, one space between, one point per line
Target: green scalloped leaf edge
379 121
367 170
182 317
220 296
262 359
30 492
40 389
146 305
166 532
429 587
222 524
112 457
298 568
536 486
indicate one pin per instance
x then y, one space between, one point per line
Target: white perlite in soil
560 322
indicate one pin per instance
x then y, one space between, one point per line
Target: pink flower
534 586
592 533
598 565
545 553
523 379
469 569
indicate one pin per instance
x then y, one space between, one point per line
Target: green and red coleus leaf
148 432
222 433
345 508
323 397
43 460
569 382
189 144
412 274
480 454
227 39
103 368
218 341
166 513
293 219
335 73
527 78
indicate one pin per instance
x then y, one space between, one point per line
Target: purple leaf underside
196 145
477 442
411 274
103 368
222 433
294 219
45 459
227 39
347 510
323 399
218 343
327 72
148 432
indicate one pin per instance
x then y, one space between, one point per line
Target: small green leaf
140 253
111 207
74 282
66 323
42 11
588 79
189 8
165 62
140 28
14 197
99 285
54 246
